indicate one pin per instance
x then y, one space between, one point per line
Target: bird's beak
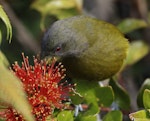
49 57
45 55
57 58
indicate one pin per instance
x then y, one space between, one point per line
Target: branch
142 8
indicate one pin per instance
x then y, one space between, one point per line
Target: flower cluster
44 88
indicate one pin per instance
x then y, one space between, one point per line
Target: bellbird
90 49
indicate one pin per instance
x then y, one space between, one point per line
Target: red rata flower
44 90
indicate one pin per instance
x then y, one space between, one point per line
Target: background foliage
119 98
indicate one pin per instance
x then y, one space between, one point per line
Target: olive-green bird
89 49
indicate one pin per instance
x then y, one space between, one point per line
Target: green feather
91 49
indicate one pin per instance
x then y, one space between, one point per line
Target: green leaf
87 91
59 8
105 96
145 85
113 116
76 98
65 116
93 95
5 19
137 50
131 24
146 99
12 93
86 118
142 115
93 109
121 96
52 5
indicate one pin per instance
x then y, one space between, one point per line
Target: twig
142 8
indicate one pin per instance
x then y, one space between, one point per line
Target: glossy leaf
86 118
137 50
76 98
146 99
121 96
59 8
113 116
131 24
11 92
142 115
105 96
87 90
53 5
92 92
146 85
79 4
65 116
94 95
5 19
93 109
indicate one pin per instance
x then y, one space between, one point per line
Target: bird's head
62 40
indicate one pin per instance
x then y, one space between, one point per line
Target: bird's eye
58 49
